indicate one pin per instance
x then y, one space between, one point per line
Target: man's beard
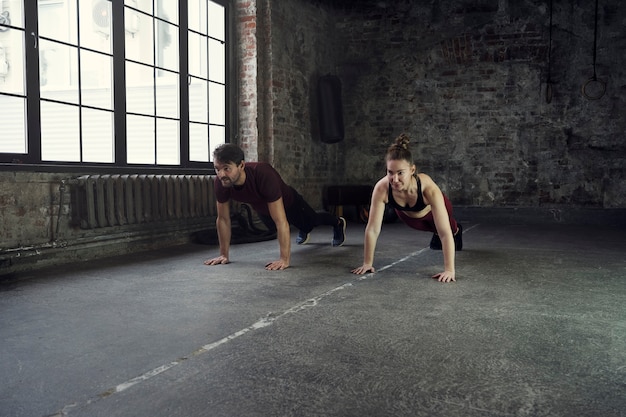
230 182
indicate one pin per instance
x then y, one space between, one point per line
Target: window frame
32 161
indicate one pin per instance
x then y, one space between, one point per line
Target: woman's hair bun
403 141
399 149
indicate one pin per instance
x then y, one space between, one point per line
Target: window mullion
155 85
183 82
33 94
119 83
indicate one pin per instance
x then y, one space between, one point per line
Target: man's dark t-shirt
263 185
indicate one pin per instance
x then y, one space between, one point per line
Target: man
277 204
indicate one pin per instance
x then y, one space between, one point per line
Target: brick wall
295 45
466 80
470 89
248 98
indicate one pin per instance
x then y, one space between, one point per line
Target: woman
420 204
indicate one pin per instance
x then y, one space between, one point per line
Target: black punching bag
329 108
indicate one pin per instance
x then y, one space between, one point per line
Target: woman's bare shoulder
429 187
425 178
380 189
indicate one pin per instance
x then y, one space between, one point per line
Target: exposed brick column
265 87
248 99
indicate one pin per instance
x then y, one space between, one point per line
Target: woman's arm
434 197
374 223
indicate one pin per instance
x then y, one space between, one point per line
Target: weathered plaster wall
246 78
36 226
296 44
467 81
28 206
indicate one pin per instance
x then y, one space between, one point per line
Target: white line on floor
263 322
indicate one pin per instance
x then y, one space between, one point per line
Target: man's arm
277 211
223 234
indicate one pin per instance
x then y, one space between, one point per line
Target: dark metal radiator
118 200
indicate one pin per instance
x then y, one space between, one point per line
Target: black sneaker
339 232
435 242
458 238
302 238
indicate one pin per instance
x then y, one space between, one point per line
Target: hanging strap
595 43
549 81
594 89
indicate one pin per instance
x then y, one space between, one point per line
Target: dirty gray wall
299 45
38 228
467 81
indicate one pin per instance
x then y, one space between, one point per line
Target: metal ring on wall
596 84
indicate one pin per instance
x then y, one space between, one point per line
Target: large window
123 83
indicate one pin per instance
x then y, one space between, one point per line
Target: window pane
59 132
217 136
57 20
198 142
168 150
140 139
97 136
95 25
167 46
216 104
167 10
140 45
131 22
12 62
167 95
75 97
13 134
13 122
13 13
96 79
144 5
198 55
216 21
58 69
217 61
197 15
139 89
198 95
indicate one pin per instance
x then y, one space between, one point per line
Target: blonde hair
399 150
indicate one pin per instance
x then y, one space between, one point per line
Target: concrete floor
534 326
